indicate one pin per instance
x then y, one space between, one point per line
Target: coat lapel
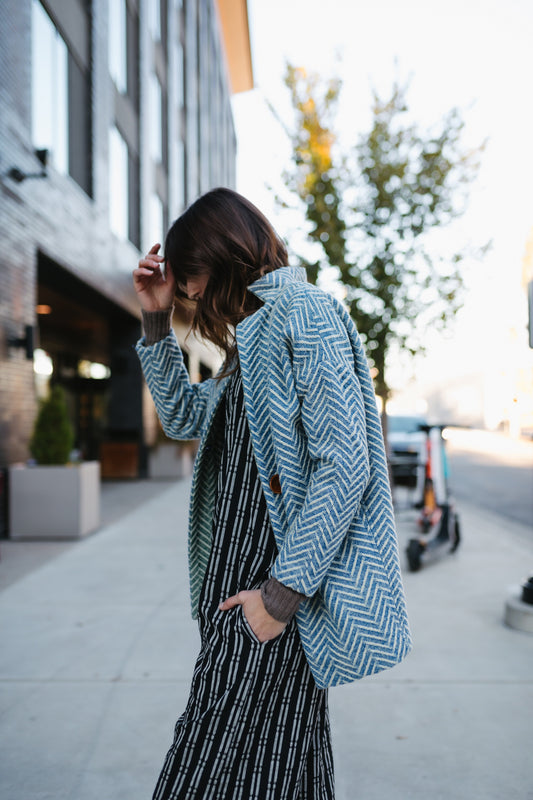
253 346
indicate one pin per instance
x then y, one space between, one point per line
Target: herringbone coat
319 449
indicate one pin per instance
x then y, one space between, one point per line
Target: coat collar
267 287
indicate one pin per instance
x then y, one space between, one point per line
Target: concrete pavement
98 647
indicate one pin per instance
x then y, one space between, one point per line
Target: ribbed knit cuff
156 324
280 601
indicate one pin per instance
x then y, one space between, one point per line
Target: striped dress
256 726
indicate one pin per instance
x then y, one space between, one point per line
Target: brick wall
54 215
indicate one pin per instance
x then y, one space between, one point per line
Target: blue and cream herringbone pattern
314 422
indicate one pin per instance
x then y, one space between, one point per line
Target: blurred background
471 55
115 115
474 373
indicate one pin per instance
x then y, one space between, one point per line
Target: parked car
407 443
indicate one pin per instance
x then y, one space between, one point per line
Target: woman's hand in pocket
263 625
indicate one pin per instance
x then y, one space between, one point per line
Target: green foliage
371 211
53 437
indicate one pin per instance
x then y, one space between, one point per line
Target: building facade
127 103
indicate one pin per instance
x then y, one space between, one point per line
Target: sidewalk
98 647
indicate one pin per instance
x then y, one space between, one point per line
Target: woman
292 551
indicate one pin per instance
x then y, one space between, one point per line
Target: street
493 472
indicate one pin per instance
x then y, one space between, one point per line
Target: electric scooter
438 521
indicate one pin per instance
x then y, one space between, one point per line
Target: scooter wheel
457 536
414 552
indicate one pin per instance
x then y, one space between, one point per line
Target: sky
474 55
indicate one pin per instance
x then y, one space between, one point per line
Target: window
124 174
61 95
118 184
49 89
118 66
156 119
123 49
179 175
157 223
123 189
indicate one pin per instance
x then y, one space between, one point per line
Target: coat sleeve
333 420
181 406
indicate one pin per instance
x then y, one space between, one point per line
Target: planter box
54 502
167 461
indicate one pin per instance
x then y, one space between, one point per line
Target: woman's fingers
149 271
146 276
147 267
154 288
231 602
151 262
263 625
152 259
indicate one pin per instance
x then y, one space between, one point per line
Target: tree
372 209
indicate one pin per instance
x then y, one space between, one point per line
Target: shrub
52 437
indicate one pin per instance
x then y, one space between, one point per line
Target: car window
405 424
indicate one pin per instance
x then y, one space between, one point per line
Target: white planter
167 461
54 502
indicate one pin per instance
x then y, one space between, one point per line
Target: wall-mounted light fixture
18 176
27 341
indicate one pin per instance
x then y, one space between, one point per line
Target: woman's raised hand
154 290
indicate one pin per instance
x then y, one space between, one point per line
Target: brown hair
226 237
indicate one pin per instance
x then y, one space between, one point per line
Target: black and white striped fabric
256 726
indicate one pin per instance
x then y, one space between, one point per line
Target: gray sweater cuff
280 601
156 324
